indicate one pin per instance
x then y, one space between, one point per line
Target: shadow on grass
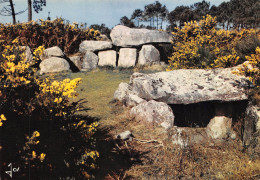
115 156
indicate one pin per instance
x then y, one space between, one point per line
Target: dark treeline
234 14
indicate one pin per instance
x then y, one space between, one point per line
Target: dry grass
151 155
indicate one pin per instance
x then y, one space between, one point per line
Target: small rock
126 135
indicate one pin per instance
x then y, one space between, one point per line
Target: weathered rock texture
190 86
185 136
52 52
76 61
107 58
149 55
28 53
54 64
219 127
90 61
251 124
127 57
125 37
89 45
155 113
125 95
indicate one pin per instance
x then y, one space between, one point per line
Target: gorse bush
49 33
251 69
201 45
38 125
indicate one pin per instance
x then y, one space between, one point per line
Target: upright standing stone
90 61
251 124
107 58
155 113
149 55
127 57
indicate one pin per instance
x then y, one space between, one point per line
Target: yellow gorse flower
42 157
36 134
2 118
34 154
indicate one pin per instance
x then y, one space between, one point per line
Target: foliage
48 33
126 22
49 137
251 69
102 29
201 45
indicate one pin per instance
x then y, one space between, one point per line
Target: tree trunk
157 21
13 12
29 10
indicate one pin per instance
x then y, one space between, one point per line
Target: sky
108 12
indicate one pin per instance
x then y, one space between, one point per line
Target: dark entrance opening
200 114
193 115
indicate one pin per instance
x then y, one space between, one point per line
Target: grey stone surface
28 53
54 64
90 45
52 52
125 37
126 96
251 124
149 55
90 61
107 58
190 86
219 127
127 57
77 62
154 113
185 136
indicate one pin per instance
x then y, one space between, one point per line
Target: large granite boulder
53 65
127 57
154 113
125 37
76 61
186 86
219 127
90 45
90 61
107 58
52 52
125 95
149 55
